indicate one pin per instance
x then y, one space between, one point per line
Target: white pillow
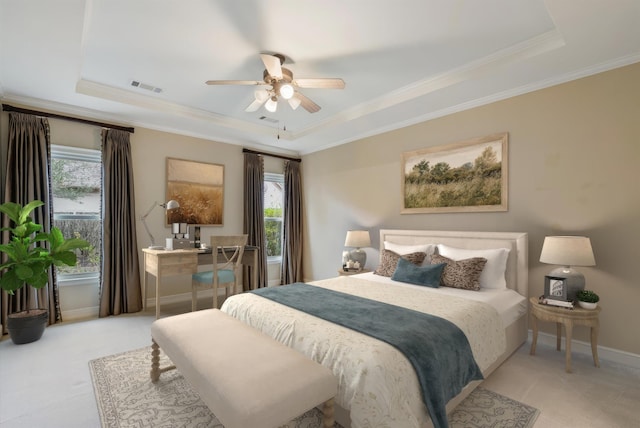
402 249
492 275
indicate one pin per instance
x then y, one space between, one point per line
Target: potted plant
587 299
28 260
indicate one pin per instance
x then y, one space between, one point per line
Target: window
273 203
76 177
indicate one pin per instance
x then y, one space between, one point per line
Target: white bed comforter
376 383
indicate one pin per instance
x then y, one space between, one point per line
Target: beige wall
574 152
574 168
149 150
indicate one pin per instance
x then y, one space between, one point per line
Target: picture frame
555 287
468 176
199 189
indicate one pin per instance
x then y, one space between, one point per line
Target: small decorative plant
28 261
587 296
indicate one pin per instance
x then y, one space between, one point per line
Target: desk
568 318
162 263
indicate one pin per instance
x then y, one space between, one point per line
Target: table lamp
358 239
568 251
170 205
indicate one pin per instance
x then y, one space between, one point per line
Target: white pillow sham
493 274
402 249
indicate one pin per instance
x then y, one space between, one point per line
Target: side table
343 272
568 318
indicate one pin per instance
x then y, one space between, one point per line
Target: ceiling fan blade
235 82
261 95
273 66
254 106
307 104
323 83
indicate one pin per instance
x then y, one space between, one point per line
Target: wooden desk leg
594 345
254 276
534 336
144 283
568 327
558 336
157 296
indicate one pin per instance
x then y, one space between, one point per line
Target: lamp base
360 256
574 280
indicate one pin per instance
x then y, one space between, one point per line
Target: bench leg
155 363
328 417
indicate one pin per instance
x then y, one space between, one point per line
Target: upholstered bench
247 379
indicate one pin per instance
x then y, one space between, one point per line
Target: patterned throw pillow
389 261
463 274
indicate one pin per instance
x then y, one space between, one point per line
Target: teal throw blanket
438 350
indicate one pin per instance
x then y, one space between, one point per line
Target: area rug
127 398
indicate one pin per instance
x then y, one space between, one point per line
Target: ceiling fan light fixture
286 91
294 102
271 105
261 95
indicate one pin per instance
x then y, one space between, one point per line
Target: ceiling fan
281 83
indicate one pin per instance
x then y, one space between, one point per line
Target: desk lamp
171 205
568 251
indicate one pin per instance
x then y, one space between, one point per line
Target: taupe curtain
27 179
120 290
292 236
254 215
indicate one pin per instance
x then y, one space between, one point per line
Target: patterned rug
127 398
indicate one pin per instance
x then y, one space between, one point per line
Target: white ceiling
403 61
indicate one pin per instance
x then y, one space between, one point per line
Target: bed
377 384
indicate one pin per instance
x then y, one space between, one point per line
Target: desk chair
227 274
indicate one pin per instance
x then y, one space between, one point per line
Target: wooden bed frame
517 274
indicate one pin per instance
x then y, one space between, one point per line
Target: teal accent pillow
428 275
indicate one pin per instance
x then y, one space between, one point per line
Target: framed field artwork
199 188
468 176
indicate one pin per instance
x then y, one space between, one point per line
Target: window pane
76 186
273 231
273 197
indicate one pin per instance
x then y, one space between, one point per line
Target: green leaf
11 210
24 272
73 244
10 282
67 257
26 210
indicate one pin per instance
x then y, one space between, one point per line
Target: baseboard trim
604 353
82 313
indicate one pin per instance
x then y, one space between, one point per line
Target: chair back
231 250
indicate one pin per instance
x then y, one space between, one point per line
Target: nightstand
568 318
343 272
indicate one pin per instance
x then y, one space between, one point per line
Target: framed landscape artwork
199 188
467 176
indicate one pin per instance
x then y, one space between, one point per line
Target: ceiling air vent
145 86
269 119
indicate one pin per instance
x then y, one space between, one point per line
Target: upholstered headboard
517 273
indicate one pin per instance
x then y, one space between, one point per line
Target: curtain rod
273 155
10 108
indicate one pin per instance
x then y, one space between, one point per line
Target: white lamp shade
567 251
261 95
271 105
357 238
286 91
172 204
